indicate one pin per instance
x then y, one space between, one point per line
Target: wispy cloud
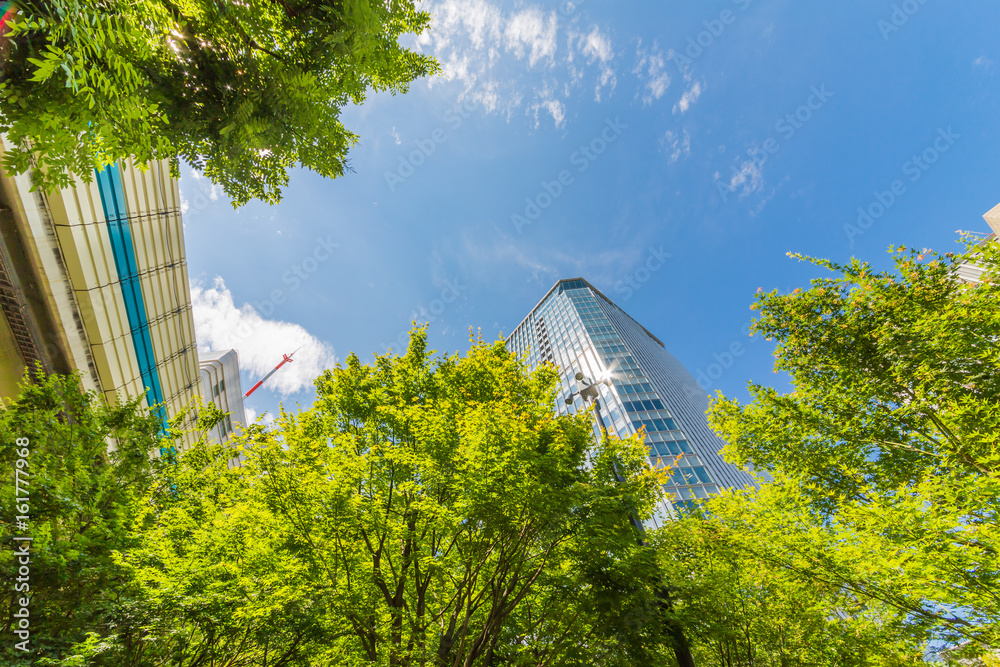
471 39
650 68
983 62
747 178
533 60
480 255
220 325
529 58
596 47
208 193
252 416
764 200
531 33
546 100
689 97
676 144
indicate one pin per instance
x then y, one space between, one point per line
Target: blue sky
703 139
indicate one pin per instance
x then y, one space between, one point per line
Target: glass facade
578 329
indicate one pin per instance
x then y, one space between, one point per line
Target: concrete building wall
992 218
971 272
220 384
107 274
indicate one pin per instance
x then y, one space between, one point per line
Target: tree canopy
241 90
426 510
742 610
435 510
884 458
80 500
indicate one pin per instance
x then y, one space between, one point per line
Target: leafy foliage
82 504
740 609
438 499
425 511
885 457
241 90
209 581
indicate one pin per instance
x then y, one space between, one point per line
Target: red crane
286 359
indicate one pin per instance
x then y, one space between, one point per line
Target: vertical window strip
122 249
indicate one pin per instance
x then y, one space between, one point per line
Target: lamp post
590 393
682 649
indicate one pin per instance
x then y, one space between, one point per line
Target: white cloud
252 415
982 61
531 33
557 110
488 97
548 102
531 59
220 325
481 21
678 145
395 135
747 178
509 60
458 67
650 69
596 47
689 97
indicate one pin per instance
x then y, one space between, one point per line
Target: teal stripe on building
116 214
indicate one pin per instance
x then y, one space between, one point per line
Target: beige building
94 278
220 384
971 272
993 220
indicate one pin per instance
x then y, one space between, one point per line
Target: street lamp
590 393
682 649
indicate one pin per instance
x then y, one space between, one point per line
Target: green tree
241 90
884 457
210 580
436 496
82 501
426 510
740 610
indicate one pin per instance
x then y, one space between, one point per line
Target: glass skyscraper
579 330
